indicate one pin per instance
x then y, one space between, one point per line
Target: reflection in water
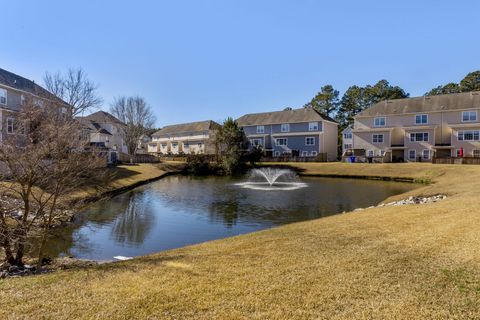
178 210
134 223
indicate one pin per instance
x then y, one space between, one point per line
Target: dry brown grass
125 176
409 262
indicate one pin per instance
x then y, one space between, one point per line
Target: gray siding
14 100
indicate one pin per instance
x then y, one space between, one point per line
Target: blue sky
197 60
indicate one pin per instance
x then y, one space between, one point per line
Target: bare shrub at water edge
43 161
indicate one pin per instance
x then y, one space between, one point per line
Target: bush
198 165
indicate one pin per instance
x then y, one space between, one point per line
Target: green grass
408 262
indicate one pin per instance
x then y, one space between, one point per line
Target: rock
13 269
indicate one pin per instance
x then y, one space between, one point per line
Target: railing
139 158
456 160
322 157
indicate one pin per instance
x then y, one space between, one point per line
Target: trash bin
352 159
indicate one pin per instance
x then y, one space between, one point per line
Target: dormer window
3 96
469 116
285 127
379 122
421 119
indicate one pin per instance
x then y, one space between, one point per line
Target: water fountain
270 178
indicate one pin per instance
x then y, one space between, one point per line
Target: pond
181 210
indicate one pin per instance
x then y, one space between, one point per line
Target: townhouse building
186 138
300 132
15 92
417 129
104 130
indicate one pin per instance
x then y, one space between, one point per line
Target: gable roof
286 116
104 117
15 81
443 102
92 125
186 128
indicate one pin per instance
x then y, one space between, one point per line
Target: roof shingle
444 102
286 116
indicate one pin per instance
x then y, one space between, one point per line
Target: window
281 141
379 122
186 145
426 154
476 153
314 153
256 142
23 100
304 153
313 126
469 135
347 136
38 103
277 154
469 116
164 145
3 96
378 138
412 154
10 125
419 137
285 127
370 153
174 144
286 153
309 141
347 146
260 129
199 144
421 119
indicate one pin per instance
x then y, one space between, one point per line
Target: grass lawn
408 262
125 176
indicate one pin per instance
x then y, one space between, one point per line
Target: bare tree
43 162
138 117
75 88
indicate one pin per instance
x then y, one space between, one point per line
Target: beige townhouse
417 129
185 138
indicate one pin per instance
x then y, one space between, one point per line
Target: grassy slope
126 176
410 262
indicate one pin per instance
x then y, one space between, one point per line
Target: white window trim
423 154
304 153
287 126
262 129
306 139
276 154
421 115
415 133
370 153
463 134
314 153
312 125
8 125
281 145
380 125
415 154
378 135
476 116
6 96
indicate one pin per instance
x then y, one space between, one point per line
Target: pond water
182 210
